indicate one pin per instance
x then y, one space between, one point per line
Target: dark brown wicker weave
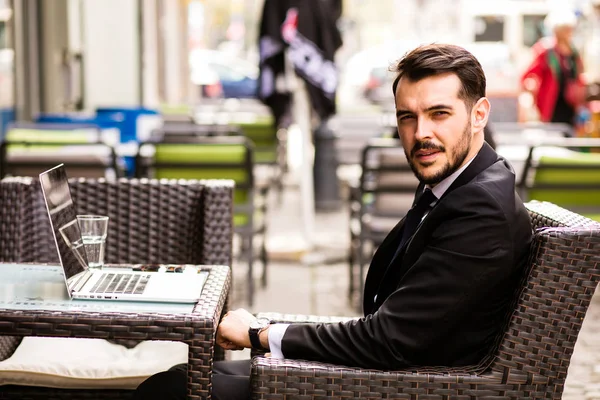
151 221
530 360
179 222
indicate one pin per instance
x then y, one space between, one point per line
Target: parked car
378 89
218 74
366 74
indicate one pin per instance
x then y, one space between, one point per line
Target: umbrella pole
301 115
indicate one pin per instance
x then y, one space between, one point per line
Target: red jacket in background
546 76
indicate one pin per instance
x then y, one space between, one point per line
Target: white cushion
72 363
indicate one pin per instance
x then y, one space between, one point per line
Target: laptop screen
63 219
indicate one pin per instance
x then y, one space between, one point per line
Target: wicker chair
179 222
530 359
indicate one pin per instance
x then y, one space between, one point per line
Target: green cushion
265 156
260 131
51 135
595 217
209 153
240 220
558 175
213 154
264 138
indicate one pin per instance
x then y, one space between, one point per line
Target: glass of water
93 232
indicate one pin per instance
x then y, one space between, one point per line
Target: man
439 286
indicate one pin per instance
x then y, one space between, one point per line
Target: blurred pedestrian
554 77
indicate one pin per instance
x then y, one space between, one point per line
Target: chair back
253 120
204 158
387 183
564 177
21 212
150 221
537 345
30 148
263 134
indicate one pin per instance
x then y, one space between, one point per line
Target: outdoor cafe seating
217 157
151 222
30 148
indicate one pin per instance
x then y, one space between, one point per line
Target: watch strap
254 335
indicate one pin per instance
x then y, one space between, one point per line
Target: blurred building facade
63 55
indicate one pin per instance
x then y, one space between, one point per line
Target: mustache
426 146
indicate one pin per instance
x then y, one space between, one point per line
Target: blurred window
533 29
489 28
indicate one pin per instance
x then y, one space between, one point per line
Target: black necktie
411 223
414 217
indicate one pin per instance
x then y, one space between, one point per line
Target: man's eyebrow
401 112
436 107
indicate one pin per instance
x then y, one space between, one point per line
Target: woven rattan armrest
277 378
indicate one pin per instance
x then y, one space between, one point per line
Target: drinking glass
93 233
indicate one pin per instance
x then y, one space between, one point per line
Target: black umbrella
307 30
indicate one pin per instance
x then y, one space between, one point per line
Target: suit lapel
483 160
381 259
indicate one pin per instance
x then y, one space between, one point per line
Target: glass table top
42 287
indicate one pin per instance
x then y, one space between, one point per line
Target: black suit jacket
446 296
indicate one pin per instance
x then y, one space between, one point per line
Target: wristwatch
256 327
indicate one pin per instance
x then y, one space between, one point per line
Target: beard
455 157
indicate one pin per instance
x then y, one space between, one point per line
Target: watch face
259 323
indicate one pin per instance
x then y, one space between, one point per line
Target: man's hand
232 333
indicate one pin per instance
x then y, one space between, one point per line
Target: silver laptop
85 283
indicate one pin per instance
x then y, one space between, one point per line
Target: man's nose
423 129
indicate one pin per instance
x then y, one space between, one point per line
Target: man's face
435 127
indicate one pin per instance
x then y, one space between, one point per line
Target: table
34 302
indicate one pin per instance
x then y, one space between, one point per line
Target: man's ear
480 114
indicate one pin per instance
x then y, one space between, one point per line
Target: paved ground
321 287
314 284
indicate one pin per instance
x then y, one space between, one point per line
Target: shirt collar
441 187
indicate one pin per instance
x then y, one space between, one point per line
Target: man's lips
426 155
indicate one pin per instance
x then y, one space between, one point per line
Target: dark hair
436 59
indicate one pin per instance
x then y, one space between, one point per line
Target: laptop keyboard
121 283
